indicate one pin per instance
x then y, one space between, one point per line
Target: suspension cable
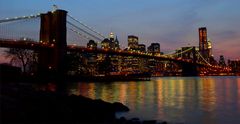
19 18
91 29
170 52
203 58
78 33
83 31
180 52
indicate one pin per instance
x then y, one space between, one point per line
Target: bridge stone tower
53 33
190 69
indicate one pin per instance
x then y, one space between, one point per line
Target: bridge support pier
190 69
53 33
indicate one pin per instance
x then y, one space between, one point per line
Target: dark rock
119 107
164 122
23 105
149 122
46 107
121 120
135 119
129 122
136 122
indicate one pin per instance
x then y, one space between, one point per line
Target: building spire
55 7
117 43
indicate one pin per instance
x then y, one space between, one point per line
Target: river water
190 100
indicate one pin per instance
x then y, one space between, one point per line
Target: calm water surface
191 100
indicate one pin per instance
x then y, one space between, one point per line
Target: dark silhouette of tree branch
21 57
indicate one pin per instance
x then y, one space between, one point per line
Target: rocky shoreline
21 105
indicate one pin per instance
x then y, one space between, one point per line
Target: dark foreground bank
24 105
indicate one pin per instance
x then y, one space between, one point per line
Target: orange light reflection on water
160 97
132 91
140 95
92 91
123 93
180 93
176 98
238 93
208 94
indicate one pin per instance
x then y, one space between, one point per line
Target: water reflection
179 99
238 93
207 94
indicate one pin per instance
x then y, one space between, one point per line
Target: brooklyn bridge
54 41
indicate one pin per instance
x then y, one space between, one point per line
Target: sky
172 23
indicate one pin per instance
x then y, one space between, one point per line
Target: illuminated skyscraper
154 48
235 65
91 57
91 44
153 64
111 39
106 44
133 42
116 42
210 48
111 35
142 48
203 43
222 61
113 43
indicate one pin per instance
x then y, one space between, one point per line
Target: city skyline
176 61
167 23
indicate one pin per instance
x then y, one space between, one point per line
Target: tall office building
153 64
235 66
203 42
111 39
210 54
154 48
222 61
117 45
113 43
91 58
106 44
92 44
133 42
142 48
111 36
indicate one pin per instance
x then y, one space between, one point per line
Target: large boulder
119 107
48 107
